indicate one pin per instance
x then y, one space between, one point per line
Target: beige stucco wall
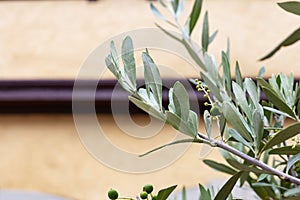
44 153
50 39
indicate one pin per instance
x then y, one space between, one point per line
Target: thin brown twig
254 161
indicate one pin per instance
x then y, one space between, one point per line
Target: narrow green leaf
183 193
275 82
245 168
180 8
228 186
126 85
291 39
262 184
262 192
287 85
261 72
293 160
222 124
194 55
190 140
162 3
298 109
125 82
114 54
195 14
244 178
207 122
213 36
186 28
239 138
179 124
297 92
277 101
241 99
165 193
212 67
149 99
147 108
128 60
175 5
226 71
252 91
277 112
283 135
238 75
236 120
293 192
152 77
211 192
168 33
225 154
171 105
287 150
219 167
156 12
205 32
263 83
181 101
291 6
262 177
268 114
112 67
258 114
258 126
204 194
193 121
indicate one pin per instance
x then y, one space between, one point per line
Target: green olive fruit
143 195
113 194
154 197
148 188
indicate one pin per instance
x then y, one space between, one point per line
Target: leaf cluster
149 98
259 148
294 8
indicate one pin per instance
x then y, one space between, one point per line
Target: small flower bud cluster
201 87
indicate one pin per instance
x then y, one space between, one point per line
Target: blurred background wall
50 40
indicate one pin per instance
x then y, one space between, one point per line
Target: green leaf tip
165 193
189 140
195 14
291 39
291 6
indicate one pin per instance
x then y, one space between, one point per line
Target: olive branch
253 134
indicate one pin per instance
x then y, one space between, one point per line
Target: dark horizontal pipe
55 96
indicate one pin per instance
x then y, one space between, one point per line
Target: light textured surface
50 39
43 153
17 195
